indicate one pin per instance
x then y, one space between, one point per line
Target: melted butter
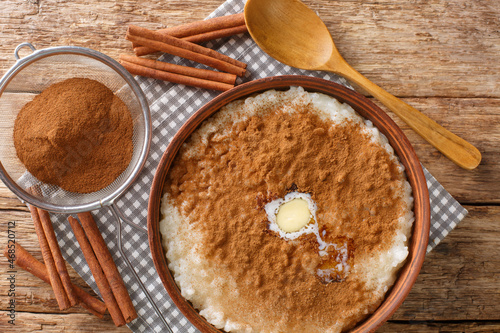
293 215
334 266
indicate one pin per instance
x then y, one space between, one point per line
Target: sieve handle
20 46
118 217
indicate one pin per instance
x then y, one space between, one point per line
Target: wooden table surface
440 56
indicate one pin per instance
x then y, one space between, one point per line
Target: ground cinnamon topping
76 134
222 191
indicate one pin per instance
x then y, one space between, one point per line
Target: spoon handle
455 148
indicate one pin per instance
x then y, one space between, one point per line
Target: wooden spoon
293 34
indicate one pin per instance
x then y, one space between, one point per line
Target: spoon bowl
293 34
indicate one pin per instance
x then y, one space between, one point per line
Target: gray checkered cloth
171 105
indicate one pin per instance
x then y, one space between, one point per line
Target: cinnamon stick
184 49
211 35
198 27
108 266
55 279
175 41
99 277
182 70
172 77
27 262
50 235
203 26
198 38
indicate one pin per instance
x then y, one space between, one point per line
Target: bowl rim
420 230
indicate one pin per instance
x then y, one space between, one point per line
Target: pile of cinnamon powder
221 189
76 134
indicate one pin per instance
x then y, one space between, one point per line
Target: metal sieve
29 77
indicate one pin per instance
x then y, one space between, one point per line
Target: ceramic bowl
364 107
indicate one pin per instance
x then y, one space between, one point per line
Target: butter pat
293 215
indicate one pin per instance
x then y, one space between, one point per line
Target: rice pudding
243 269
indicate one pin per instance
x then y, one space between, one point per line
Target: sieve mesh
28 78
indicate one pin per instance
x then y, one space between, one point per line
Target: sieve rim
129 79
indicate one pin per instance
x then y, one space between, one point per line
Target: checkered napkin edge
171 105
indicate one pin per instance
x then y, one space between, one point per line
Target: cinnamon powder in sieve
222 191
76 134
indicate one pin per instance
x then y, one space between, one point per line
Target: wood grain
460 278
418 327
70 322
419 48
477 120
439 56
410 48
